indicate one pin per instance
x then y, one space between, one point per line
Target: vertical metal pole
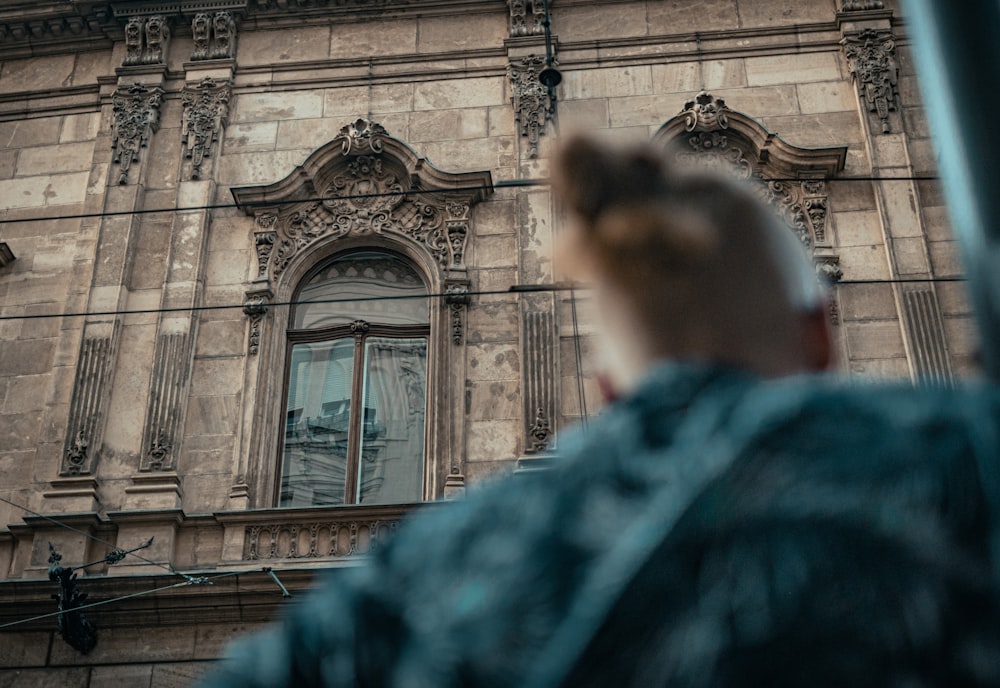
958 62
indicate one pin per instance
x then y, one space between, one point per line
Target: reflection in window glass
317 423
326 299
392 441
356 394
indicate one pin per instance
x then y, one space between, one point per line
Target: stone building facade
175 176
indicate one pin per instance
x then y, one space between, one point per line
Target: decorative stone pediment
708 133
364 183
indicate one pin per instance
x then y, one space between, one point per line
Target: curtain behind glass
317 423
392 442
388 292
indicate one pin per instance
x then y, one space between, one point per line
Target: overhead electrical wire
515 289
502 184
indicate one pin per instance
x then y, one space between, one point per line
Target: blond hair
698 256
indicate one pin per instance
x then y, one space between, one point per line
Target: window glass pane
392 441
317 423
362 275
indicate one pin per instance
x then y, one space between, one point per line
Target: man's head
686 265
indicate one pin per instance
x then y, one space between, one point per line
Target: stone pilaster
870 52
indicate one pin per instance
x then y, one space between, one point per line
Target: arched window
356 384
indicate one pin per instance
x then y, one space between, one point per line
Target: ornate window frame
793 179
362 190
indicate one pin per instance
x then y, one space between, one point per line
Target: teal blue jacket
512 585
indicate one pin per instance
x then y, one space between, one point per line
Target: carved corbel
206 113
146 40
264 240
136 117
815 206
456 295
532 101
255 307
457 228
519 24
224 36
828 268
871 57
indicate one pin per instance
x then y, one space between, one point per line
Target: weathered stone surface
265 107
777 12
877 339
859 228
80 127
863 262
679 16
495 250
258 136
866 302
44 190
439 34
601 22
392 37
35 73
452 93
945 258
493 440
74 677
443 125
910 257
493 362
584 115
284 45
826 96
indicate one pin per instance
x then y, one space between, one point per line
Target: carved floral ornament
363 183
532 101
709 134
871 57
206 113
136 117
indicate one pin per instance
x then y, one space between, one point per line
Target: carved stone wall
871 57
136 112
91 388
926 335
539 346
171 370
206 113
336 539
146 40
532 101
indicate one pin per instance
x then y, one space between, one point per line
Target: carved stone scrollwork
136 112
90 389
533 105
828 268
167 384
362 136
520 25
871 57
214 36
334 538
255 307
752 153
146 41
264 239
206 113
854 5
364 183
705 113
456 295
540 432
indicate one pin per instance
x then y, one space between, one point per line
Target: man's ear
817 340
